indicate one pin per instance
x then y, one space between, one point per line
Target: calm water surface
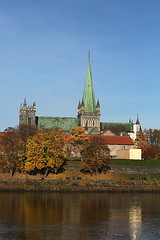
74 216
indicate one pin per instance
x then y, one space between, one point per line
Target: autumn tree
45 152
10 144
95 155
148 150
75 142
153 138
25 131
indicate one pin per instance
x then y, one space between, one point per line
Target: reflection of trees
34 210
59 214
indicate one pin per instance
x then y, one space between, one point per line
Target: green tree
95 155
45 152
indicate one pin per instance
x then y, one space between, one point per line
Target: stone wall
134 170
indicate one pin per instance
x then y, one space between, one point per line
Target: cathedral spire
88 94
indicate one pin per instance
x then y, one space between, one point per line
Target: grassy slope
129 163
151 163
135 163
124 163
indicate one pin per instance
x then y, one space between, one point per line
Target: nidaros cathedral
88 116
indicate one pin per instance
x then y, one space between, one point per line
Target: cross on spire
89 55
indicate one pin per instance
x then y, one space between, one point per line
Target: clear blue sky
44 52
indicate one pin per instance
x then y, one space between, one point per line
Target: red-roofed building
116 143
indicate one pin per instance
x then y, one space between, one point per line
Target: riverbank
76 184
118 179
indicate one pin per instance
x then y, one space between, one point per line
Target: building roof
64 123
116 128
115 140
107 133
89 100
111 140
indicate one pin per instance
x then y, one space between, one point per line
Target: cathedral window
29 121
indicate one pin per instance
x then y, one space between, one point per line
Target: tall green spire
88 94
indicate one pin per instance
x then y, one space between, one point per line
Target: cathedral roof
64 123
88 94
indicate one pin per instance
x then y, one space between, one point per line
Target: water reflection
135 219
96 216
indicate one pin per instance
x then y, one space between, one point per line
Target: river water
79 216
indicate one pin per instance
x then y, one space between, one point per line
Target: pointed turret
25 103
98 104
98 107
137 122
34 104
88 94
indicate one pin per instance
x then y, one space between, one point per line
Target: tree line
29 150
149 141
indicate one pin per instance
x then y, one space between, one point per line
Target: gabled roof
111 140
115 140
107 133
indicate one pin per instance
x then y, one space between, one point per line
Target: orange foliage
148 151
10 143
76 141
45 151
95 156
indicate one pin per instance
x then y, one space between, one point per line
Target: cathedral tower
89 109
27 114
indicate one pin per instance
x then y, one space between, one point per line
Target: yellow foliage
76 141
45 151
77 131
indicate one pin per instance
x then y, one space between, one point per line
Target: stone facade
27 114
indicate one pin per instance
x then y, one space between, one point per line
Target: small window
29 121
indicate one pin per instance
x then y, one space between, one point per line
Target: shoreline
19 185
